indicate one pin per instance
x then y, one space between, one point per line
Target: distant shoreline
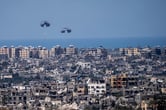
88 42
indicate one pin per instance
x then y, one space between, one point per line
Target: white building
84 64
96 87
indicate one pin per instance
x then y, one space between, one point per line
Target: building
18 95
12 52
71 50
123 80
43 53
144 105
92 52
102 52
4 52
96 87
57 50
24 53
118 81
81 89
130 51
163 90
156 51
84 64
34 53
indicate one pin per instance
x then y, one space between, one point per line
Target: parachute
66 30
45 24
48 24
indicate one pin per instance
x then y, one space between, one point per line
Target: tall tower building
34 53
17 52
4 52
43 53
24 53
71 50
12 52
57 50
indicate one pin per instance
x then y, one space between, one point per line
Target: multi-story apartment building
24 53
12 52
96 52
34 53
19 96
57 50
92 52
71 50
43 53
123 80
130 51
96 87
4 52
118 81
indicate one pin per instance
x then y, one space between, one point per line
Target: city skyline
86 79
87 19
82 54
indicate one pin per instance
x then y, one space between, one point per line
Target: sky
20 19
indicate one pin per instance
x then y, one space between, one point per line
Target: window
103 91
103 87
14 98
97 91
20 98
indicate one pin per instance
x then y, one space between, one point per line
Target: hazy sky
86 18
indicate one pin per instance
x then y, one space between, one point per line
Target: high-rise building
43 53
34 53
4 52
57 50
71 50
24 53
17 52
156 51
12 52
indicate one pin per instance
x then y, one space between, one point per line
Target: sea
88 42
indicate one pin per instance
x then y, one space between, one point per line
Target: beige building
163 90
118 81
81 89
130 51
123 80
70 50
52 52
4 51
144 105
43 53
24 53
